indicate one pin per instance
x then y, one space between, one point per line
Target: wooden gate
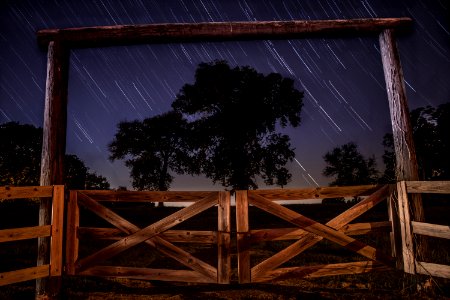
53 230
156 236
409 228
307 233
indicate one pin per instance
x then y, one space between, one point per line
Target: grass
387 285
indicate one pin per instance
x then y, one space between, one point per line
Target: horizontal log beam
180 32
429 187
24 274
433 269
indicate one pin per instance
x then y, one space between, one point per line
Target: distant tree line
431 134
20 160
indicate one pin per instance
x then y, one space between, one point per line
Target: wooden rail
54 231
308 232
410 228
158 236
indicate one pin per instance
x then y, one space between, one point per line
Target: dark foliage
20 160
235 113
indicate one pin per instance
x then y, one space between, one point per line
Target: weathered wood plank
177 32
147 274
24 233
406 231
433 269
316 193
156 242
406 167
282 234
429 187
440 231
24 274
243 237
147 196
323 270
174 236
317 228
223 239
72 242
13 192
56 245
307 240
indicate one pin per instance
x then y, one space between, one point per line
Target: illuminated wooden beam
179 32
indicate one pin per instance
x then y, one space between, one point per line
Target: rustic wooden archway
59 42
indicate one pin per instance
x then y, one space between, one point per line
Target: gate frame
308 232
53 231
155 235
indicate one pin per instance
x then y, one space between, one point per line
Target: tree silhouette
20 160
234 113
349 166
152 149
431 127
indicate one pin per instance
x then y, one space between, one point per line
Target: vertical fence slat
56 247
73 213
243 238
395 234
406 230
223 239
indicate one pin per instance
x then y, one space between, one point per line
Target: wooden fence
54 231
409 228
157 236
308 232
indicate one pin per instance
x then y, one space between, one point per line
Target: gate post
243 236
223 239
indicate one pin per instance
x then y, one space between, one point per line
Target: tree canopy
349 167
20 160
431 127
152 149
234 114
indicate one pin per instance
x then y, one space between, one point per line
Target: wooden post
73 222
223 239
406 230
405 153
243 237
53 149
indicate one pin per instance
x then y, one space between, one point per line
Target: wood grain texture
243 237
439 231
307 240
156 242
147 274
181 32
24 233
72 242
24 274
408 253
307 272
429 187
56 244
147 196
13 192
433 269
223 239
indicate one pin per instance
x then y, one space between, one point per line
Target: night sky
345 96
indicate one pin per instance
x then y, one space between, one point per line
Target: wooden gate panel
309 232
157 235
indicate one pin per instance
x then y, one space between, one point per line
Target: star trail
342 78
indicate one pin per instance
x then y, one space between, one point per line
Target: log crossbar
409 228
185 32
307 234
157 236
53 230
